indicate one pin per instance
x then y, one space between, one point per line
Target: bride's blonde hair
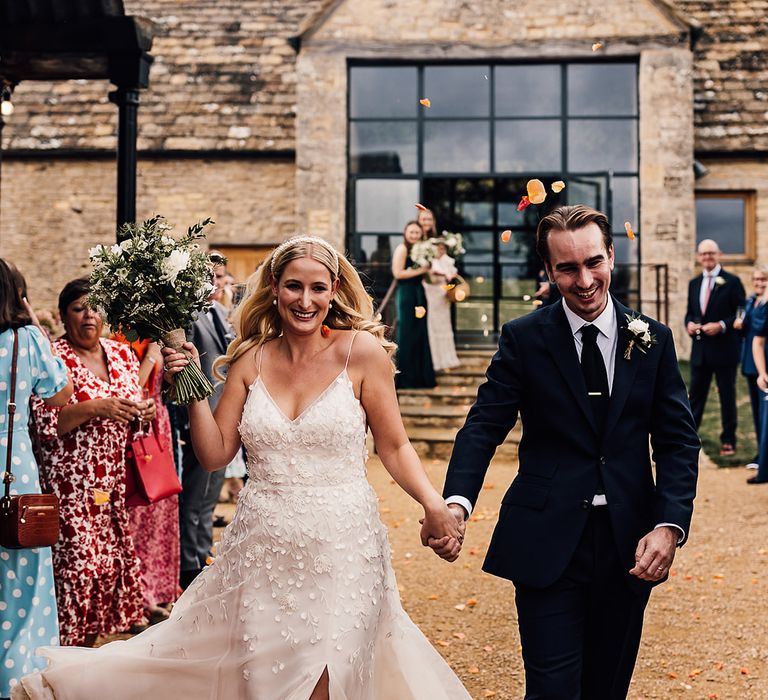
256 320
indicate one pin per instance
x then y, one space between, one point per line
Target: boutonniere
640 333
719 281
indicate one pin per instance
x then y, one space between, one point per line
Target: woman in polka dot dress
27 601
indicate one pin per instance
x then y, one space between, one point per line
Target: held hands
443 530
712 328
655 553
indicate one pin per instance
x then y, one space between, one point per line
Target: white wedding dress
302 581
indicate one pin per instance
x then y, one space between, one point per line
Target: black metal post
127 100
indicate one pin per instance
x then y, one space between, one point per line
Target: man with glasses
714 300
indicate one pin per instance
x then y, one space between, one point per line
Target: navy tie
595 376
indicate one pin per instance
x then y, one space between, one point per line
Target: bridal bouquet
152 285
454 244
423 253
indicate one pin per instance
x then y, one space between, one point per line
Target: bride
301 601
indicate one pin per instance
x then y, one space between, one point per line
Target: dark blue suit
717 354
547 528
754 319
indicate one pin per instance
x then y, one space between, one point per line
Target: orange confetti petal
506 235
421 207
473 669
425 101
488 648
472 602
420 311
558 186
442 643
434 596
712 696
460 295
490 694
524 202
672 675
744 671
694 673
459 635
536 192
597 46
537 302
630 232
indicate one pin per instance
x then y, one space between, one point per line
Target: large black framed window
490 128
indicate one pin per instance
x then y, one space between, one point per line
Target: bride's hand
174 360
443 530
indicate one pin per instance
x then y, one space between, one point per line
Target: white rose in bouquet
153 286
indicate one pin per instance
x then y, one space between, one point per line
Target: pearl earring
274 302
330 305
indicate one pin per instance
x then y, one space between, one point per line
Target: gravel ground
706 629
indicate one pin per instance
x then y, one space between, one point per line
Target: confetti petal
630 232
420 311
524 202
100 497
473 669
506 235
536 192
426 102
460 295
421 207
558 186
597 46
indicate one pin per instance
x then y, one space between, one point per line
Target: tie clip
595 393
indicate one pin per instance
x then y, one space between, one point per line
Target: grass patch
709 432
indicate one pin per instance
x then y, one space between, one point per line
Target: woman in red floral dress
155 528
82 446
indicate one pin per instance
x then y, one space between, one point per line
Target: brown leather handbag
30 519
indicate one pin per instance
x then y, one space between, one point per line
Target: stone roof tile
224 78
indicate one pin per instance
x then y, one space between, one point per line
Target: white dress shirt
708 280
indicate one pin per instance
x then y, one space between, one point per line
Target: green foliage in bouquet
152 286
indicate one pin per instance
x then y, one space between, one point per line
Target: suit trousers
725 377
580 635
197 501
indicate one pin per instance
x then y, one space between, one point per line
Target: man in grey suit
211 333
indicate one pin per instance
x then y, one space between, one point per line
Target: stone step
475 358
432 415
437 443
440 395
468 376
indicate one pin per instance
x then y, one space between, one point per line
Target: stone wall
667 224
53 211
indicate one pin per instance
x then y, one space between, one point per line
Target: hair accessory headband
304 239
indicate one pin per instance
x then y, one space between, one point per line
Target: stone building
281 116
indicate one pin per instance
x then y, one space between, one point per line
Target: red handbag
150 472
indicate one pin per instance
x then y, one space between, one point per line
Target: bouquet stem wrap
190 384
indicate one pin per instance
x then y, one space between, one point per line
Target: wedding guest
301 601
27 598
760 358
414 359
442 272
211 334
82 447
753 315
713 300
426 219
155 528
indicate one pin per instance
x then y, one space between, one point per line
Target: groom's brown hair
570 218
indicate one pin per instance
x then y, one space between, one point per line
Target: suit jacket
753 322
208 343
718 350
536 373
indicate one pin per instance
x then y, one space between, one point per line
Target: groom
584 533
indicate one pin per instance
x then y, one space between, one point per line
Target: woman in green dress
414 360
